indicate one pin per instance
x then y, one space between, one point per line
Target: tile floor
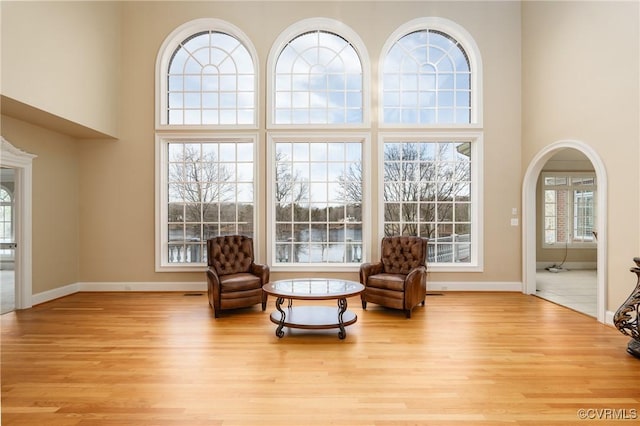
575 289
7 292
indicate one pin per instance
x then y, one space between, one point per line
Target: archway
529 218
21 162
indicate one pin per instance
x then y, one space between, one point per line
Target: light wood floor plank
162 359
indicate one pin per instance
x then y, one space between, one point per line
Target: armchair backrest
230 254
402 254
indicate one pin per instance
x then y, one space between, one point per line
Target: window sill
310 268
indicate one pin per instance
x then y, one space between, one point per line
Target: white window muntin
319 26
359 250
6 215
163 262
472 51
475 143
7 233
246 99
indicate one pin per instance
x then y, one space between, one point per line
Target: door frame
529 219
21 162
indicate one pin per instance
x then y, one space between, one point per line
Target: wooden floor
162 359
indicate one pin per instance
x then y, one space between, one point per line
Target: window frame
328 25
275 137
165 133
468 132
573 244
465 39
162 192
475 138
165 53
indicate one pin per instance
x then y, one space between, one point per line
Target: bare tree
351 184
412 185
289 188
290 192
198 180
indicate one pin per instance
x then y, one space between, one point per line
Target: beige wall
117 185
572 66
56 203
580 82
63 58
577 81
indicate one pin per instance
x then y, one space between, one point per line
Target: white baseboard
608 318
474 286
569 265
144 286
56 293
202 286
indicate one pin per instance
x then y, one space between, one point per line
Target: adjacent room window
205 181
569 209
317 195
431 162
6 215
6 221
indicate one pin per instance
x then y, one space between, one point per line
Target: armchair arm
260 270
368 269
213 286
415 286
212 277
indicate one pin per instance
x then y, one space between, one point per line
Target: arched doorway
529 217
21 164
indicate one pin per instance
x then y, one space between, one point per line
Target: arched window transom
427 80
318 80
211 81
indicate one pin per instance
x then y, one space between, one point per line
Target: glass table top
313 288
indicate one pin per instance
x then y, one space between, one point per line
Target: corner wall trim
56 293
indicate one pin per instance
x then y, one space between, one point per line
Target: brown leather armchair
399 279
234 280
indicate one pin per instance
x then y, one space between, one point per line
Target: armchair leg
364 304
407 313
423 303
264 306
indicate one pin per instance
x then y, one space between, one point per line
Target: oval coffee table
313 317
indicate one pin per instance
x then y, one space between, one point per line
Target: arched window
6 215
318 80
207 78
427 80
431 163
318 76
